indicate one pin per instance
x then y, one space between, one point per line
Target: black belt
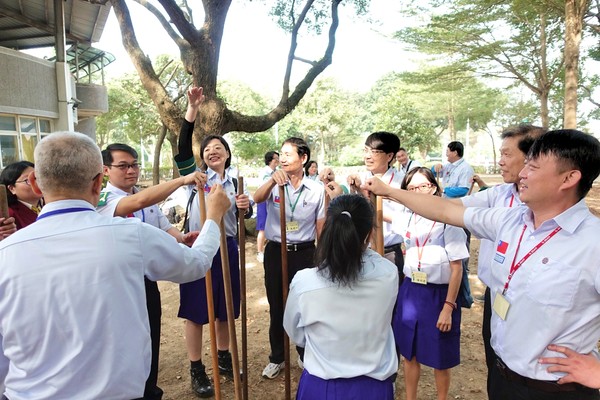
393 247
543 386
297 246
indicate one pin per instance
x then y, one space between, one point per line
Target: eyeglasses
125 166
368 150
25 181
424 187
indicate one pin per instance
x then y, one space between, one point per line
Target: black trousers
502 388
486 333
153 304
297 260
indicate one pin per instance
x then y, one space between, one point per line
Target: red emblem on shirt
502 247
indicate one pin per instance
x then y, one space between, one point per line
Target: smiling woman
24 204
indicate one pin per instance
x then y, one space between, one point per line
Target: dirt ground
467 382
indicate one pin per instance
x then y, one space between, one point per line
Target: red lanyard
391 179
514 267
512 198
419 247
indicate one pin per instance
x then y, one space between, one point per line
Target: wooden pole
210 305
3 202
242 244
471 188
230 314
377 241
285 288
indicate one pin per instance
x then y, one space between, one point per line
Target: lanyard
420 247
63 211
392 178
512 198
293 206
514 267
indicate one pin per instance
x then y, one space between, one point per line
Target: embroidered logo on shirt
206 188
277 200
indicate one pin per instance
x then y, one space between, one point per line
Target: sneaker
272 370
225 365
300 363
201 385
260 256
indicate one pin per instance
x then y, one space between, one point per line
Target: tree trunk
156 161
574 12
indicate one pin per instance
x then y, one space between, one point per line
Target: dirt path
467 382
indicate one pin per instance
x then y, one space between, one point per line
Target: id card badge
419 277
292 226
501 306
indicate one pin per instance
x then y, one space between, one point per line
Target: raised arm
156 194
431 207
186 133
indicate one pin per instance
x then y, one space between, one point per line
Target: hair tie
347 213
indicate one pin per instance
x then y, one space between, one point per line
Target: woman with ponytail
341 310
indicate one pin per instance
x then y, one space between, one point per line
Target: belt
543 386
394 247
297 246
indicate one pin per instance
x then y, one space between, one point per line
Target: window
8 149
19 135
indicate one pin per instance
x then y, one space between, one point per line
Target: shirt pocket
554 284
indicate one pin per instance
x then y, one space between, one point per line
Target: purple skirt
417 312
312 387
261 216
192 295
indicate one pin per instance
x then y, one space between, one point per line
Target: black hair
205 142
269 156
300 145
423 171
401 149
107 158
9 177
342 242
308 165
574 150
457 147
527 134
384 141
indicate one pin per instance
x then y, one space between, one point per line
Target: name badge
419 277
501 306
292 226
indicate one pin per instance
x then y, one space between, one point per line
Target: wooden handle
242 245
3 202
285 288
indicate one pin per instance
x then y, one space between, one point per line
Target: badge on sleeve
103 199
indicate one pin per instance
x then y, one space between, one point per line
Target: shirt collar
113 189
62 204
569 220
212 175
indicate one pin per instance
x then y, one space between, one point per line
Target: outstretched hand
195 96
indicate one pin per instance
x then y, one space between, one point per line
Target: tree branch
163 21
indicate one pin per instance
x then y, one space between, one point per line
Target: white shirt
150 215
73 318
504 195
410 164
555 296
265 173
457 174
309 200
230 219
438 244
346 332
393 178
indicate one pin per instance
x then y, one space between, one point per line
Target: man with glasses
379 156
121 198
73 323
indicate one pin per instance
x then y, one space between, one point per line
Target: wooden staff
285 288
210 305
471 188
242 244
3 202
230 314
377 242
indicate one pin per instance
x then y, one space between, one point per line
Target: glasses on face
125 166
368 150
25 181
424 187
